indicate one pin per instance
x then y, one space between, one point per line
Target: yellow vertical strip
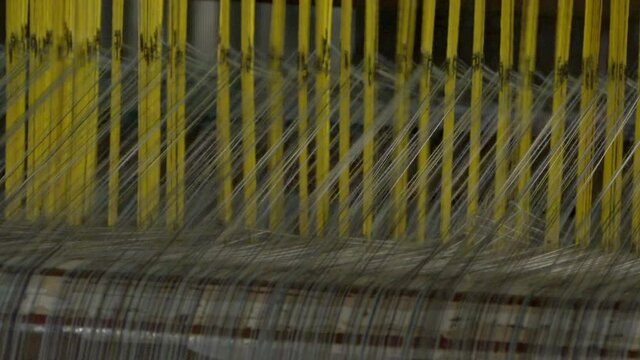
83 89
86 109
345 114
116 108
88 120
176 83
324 10
149 128
426 52
58 55
590 56
34 32
370 61
527 68
224 109
66 153
636 185
404 60
449 120
93 76
62 104
154 110
473 181
608 208
37 126
78 105
554 189
45 166
504 107
615 106
621 104
90 103
303 112
172 126
16 43
181 113
276 167
143 65
248 111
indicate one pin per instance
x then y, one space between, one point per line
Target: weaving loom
347 189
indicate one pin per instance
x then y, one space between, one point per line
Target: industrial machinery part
460 182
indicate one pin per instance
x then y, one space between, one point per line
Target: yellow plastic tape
324 10
345 115
176 90
554 182
404 61
54 194
426 52
504 107
151 13
116 108
449 120
78 105
143 76
93 75
611 180
370 54
590 57
248 111
527 67
304 18
17 43
63 193
40 121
